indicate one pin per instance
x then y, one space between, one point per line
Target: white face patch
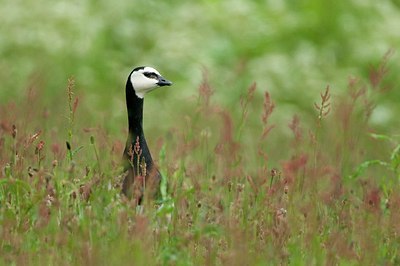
142 83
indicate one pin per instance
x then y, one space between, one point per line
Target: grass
240 190
285 151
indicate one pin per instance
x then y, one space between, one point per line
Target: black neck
134 106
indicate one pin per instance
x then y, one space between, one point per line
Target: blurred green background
209 154
291 48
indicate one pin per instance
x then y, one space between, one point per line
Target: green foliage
256 167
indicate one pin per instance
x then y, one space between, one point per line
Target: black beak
163 82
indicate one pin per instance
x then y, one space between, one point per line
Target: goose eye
151 75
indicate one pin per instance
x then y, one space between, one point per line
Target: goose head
146 79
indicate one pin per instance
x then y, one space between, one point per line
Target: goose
139 168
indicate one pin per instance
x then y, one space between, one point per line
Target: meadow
278 141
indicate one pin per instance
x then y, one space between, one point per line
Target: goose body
138 163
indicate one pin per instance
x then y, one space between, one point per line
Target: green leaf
77 150
167 207
381 137
164 182
363 166
395 157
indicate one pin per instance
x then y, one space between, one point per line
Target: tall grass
333 199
